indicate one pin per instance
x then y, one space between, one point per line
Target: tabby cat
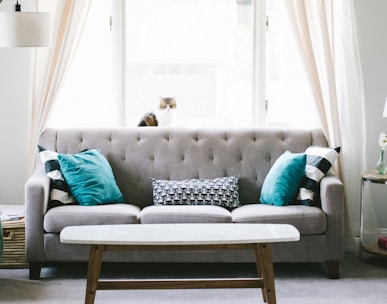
163 116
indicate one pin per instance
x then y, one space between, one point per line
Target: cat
148 120
163 116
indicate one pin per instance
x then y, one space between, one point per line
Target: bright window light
199 51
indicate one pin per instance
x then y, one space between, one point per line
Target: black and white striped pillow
318 162
60 192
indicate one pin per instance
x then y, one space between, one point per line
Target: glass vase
381 165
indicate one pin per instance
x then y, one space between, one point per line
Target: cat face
167 103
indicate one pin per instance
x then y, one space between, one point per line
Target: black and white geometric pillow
318 162
60 193
221 191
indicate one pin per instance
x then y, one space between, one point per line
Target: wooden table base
264 280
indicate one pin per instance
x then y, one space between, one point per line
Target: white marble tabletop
179 234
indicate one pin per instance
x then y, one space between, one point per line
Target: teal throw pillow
90 178
280 186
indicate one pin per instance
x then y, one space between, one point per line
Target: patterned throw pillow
60 192
318 162
221 191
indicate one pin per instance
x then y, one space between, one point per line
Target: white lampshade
385 109
25 29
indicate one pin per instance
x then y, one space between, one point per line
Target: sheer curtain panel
50 65
328 41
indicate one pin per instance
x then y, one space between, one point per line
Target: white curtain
50 65
326 30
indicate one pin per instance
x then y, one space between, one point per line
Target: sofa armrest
37 191
332 203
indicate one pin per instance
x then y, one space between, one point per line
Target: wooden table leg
258 262
93 270
264 262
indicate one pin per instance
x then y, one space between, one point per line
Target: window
290 99
200 51
86 98
210 54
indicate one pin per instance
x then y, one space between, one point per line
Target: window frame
258 87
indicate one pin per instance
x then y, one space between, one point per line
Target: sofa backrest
139 153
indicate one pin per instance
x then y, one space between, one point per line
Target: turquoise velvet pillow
90 178
281 184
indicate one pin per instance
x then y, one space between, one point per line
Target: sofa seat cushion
185 214
72 215
308 220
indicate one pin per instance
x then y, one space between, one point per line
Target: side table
370 246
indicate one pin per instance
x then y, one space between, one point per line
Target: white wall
372 35
14 85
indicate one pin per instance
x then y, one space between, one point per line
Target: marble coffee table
257 237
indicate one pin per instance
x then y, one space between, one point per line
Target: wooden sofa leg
35 268
333 268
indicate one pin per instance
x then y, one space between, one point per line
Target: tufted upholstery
136 154
140 153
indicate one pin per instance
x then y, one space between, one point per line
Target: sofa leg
35 268
333 268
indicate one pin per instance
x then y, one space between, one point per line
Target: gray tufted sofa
136 154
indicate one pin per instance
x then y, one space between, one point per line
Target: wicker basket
14 239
